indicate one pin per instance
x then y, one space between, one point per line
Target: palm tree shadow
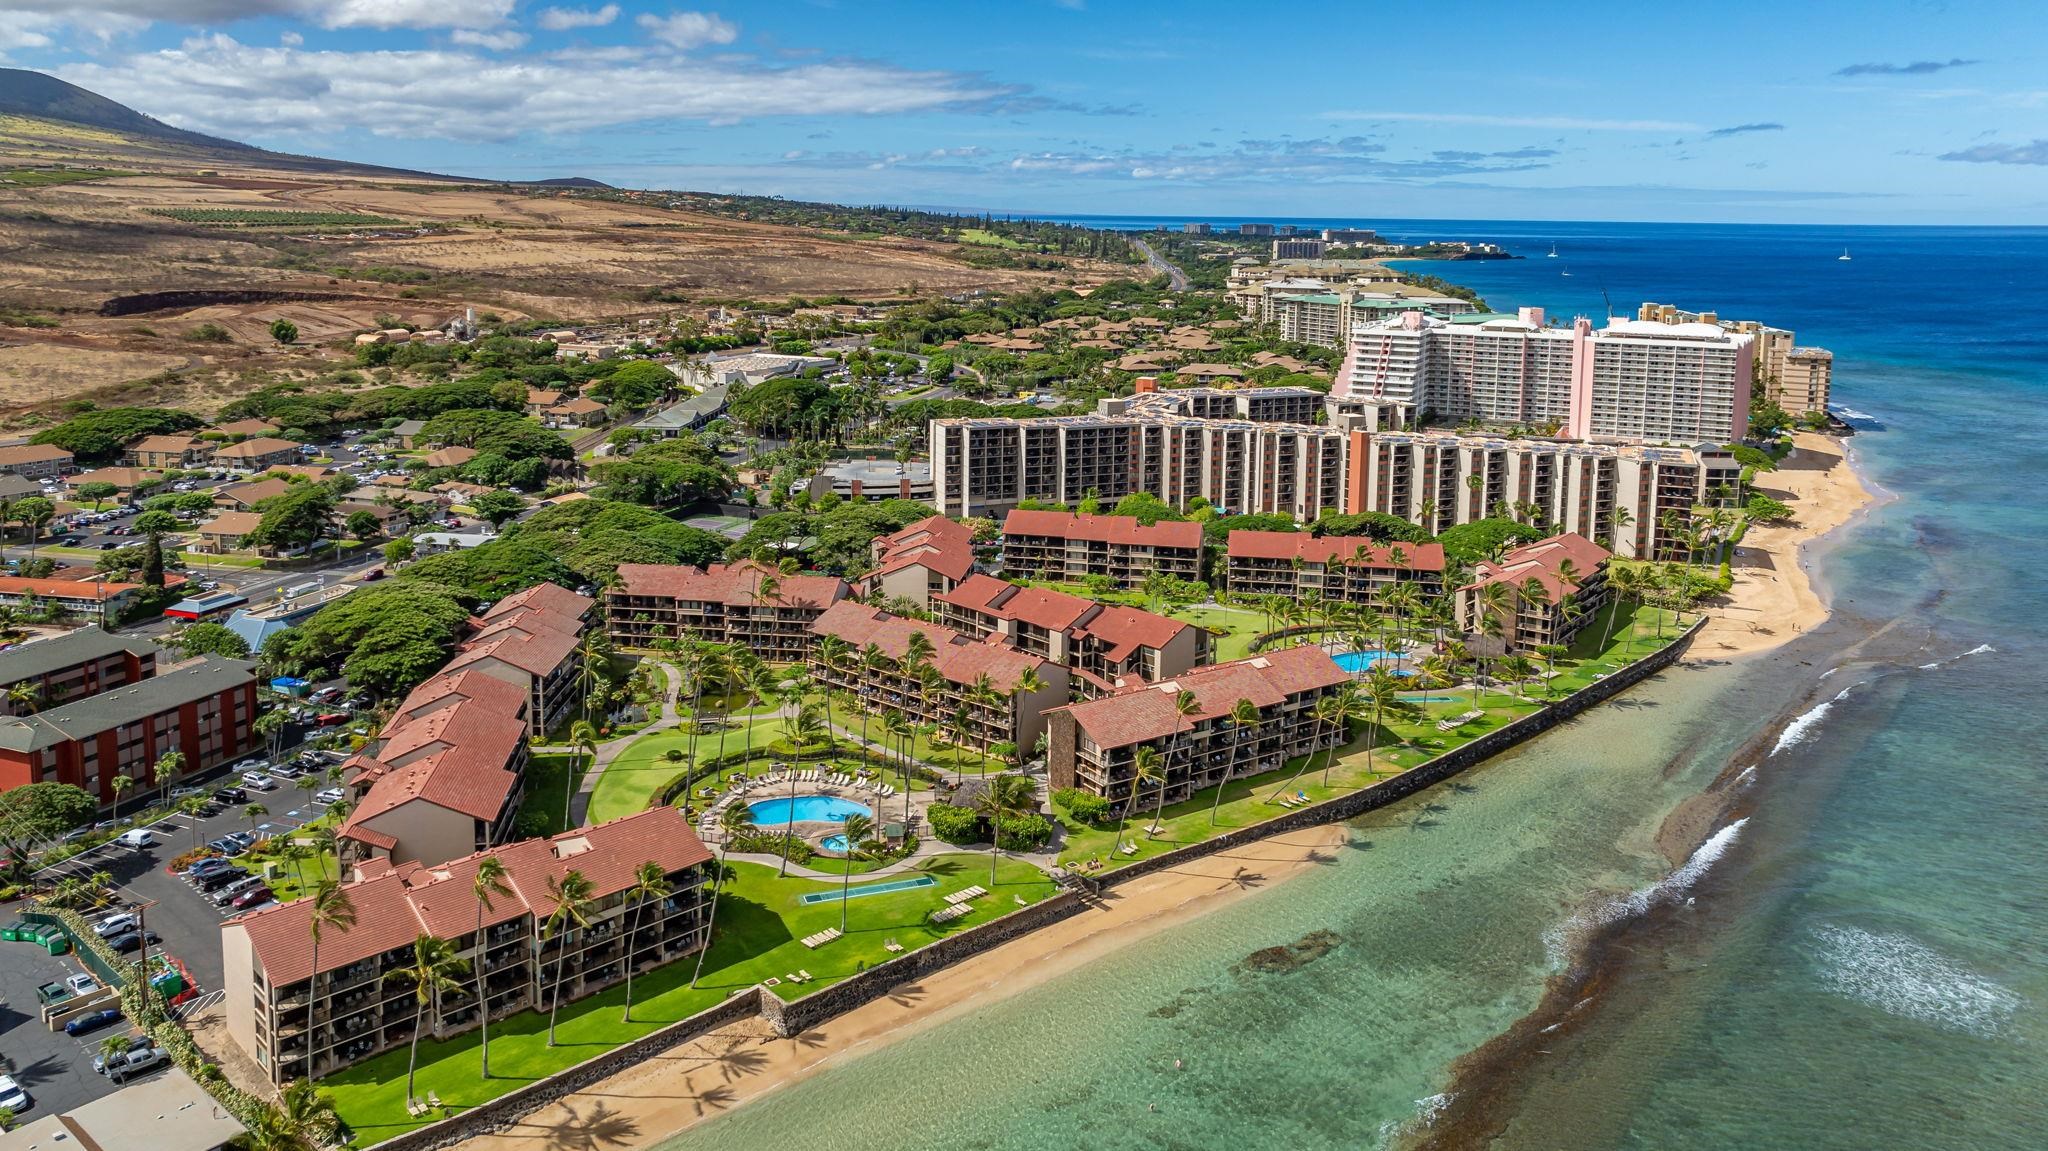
813 1039
603 1128
41 1071
906 994
947 866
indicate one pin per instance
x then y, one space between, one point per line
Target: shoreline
726 1068
1775 600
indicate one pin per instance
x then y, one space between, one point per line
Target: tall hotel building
1796 378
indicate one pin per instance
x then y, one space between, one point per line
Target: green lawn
760 924
1239 626
546 789
986 238
629 781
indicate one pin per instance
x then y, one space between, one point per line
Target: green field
1238 624
44 177
546 790
760 926
986 238
270 218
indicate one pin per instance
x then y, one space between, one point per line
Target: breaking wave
1558 940
1795 732
1901 977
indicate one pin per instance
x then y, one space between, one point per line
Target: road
1175 278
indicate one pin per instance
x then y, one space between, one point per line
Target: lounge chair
891 946
433 1100
791 977
807 975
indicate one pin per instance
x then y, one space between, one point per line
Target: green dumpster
17 931
57 944
167 983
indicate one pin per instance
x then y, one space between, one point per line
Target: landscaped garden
761 922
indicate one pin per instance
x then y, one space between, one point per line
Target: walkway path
579 804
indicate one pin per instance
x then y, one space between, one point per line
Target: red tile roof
447 745
935 542
1321 549
396 905
957 657
1121 629
548 596
1104 529
729 584
1147 713
526 641
1542 561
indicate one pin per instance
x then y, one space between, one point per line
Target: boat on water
1844 255
1553 251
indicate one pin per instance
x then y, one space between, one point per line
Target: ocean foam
1901 977
1980 649
1747 776
1795 732
1558 940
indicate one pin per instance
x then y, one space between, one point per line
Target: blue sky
1839 112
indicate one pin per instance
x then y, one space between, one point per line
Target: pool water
1357 661
912 883
834 843
805 809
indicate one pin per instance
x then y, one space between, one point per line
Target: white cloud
503 41
217 84
1568 123
687 30
326 13
563 19
291 39
26 30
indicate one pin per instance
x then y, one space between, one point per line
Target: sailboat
1844 255
1553 251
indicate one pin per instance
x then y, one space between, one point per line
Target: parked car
206 867
136 1043
226 895
182 792
137 1064
12 1096
330 718
231 795
258 781
329 796
81 984
251 898
92 1021
137 837
114 924
215 880
129 941
327 693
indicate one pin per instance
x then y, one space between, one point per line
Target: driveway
54 1068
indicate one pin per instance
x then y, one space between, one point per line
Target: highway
1175 278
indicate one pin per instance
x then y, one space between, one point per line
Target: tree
253 812
1186 706
488 882
635 385
582 736
650 883
398 551
270 725
166 768
120 785
34 512
284 331
25 697
99 435
294 519
363 523
573 897
1243 717
99 492
1002 793
855 829
497 507
306 1113
736 820
45 810
1381 693
329 908
1144 768
204 638
805 729
432 972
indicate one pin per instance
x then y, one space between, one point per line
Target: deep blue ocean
1858 956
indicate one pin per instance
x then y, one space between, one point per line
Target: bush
181 862
1763 509
1085 806
1024 832
954 824
772 843
210 333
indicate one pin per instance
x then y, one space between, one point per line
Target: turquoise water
1357 661
909 884
834 843
805 809
1853 961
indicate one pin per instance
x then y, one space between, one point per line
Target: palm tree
982 693
25 697
584 737
856 829
1243 717
650 883
488 881
432 972
165 768
254 812
897 724
832 652
591 664
1343 707
120 785
875 662
1490 605
1381 692
805 728
1144 768
1028 684
190 807
330 906
1621 581
1618 519
573 897
1002 793
306 1114
735 821
1185 707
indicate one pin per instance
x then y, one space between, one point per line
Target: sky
1871 112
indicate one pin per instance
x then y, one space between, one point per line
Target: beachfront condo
1795 378
1549 590
1104 646
746 604
1344 569
1061 546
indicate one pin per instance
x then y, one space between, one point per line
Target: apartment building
168 452
530 639
1298 248
1001 714
72 666
445 776
1550 590
1632 380
1063 546
35 461
924 559
1343 569
257 453
203 710
1327 317
1106 646
745 604
1617 493
302 1012
1094 744
1258 405
1795 378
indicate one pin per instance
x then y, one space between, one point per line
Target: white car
12 1096
137 837
329 795
113 925
82 984
257 781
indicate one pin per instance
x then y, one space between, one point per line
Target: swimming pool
1357 661
910 884
834 843
805 809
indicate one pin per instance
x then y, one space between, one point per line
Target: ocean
1848 955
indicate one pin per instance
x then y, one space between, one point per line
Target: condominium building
446 776
924 559
980 680
530 639
35 461
203 710
168 452
1801 384
72 666
1550 590
1094 744
1258 405
259 453
1633 380
1327 317
745 604
1616 493
305 1011
1106 646
1298 248
1344 569
1795 378
1062 546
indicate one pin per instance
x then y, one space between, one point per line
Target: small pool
1430 699
911 884
1357 661
805 809
834 843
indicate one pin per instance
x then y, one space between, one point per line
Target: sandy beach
698 1080
1774 600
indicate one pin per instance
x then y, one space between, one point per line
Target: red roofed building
1345 569
1548 591
530 639
745 604
446 776
1107 644
1014 714
1060 546
925 559
298 1027
1094 744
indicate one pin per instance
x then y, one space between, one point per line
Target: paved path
579 803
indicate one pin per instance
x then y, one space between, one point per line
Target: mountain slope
26 93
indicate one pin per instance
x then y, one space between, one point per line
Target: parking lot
54 1068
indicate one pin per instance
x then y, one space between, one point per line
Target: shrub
1024 832
210 333
953 824
772 843
181 862
1085 806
